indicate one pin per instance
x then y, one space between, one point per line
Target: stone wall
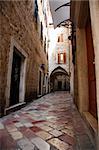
17 21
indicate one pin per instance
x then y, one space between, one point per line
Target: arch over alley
59 80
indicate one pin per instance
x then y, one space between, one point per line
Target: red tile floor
49 123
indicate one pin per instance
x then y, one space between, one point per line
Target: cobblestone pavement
49 123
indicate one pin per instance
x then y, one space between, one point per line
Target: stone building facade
59 58
85 18
23 59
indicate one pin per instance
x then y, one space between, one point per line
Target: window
61 58
60 38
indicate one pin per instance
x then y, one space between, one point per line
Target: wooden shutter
58 58
58 39
64 58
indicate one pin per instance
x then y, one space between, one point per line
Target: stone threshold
92 124
14 108
38 96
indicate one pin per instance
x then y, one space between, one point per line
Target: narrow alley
49 123
49 74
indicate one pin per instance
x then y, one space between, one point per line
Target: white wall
54 46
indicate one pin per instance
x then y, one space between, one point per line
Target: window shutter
58 39
64 58
58 58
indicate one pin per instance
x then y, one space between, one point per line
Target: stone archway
59 80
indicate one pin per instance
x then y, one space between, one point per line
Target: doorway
59 85
15 78
40 79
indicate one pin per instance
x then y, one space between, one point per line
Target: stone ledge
14 108
38 96
92 124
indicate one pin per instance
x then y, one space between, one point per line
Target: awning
60 10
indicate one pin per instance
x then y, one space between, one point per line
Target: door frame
40 70
88 30
22 73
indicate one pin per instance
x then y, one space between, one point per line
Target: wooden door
15 79
91 70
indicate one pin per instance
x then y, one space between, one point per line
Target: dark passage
15 79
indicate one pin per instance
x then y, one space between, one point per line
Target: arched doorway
59 80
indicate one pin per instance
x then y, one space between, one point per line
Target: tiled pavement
49 123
